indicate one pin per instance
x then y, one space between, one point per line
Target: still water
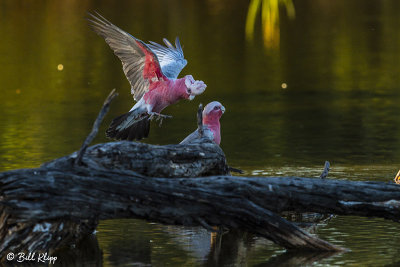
302 81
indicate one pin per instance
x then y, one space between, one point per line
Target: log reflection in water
85 253
159 244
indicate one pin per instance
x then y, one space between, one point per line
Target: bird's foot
158 117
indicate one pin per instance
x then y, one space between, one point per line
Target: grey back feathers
196 135
171 58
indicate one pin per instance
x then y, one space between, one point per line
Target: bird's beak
191 97
223 109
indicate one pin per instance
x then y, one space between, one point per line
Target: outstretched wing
171 58
139 62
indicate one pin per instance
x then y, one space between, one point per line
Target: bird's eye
189 91
216 107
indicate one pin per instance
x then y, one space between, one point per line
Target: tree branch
200 120
325 172
96 125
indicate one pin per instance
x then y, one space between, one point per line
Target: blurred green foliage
269 19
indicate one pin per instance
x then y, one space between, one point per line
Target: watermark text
31 257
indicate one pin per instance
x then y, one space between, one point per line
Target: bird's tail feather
129 126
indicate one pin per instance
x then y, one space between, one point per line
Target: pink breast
161 94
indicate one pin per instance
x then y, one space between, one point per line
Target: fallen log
61 202
34 199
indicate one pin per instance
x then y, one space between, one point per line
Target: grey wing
191 137
171 58
132 52
207 133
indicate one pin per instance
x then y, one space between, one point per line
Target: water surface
319 82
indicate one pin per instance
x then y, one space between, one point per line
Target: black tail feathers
129 127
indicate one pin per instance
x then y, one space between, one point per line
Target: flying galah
152 71
211 127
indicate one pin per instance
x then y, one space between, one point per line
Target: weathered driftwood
139 159
62 201
57 192
45 208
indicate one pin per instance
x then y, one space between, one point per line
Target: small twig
325 172
96 126
231 169
200 120
204 224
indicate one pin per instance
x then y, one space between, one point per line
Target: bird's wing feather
140 64
171 58
207 133
191 137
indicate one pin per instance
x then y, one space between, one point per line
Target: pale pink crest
211 114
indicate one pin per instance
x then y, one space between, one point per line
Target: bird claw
159 117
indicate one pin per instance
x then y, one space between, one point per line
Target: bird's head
213 111
193 87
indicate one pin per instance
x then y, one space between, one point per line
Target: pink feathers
211 127
211 115
164 93
152 71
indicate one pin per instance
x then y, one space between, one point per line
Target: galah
211 126
152 71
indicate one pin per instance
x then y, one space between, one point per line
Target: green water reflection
269 19
338 59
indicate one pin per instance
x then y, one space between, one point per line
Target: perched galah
152 71
211 127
